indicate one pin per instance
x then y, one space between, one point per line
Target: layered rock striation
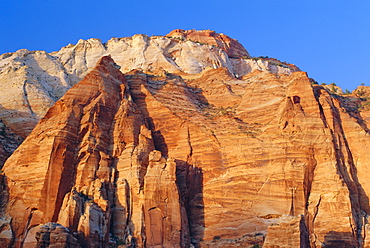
231 46
154 158
90 154
32 81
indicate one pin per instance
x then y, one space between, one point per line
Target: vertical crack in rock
308 180
191 148
311 224
345 166
27 226
27 102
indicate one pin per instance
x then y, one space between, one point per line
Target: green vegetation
198 42
333 89
272 61
212 112
278 64
259 57
361 93
366 105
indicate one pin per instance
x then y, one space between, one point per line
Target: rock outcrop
32 81
89 158
231 46
160 157
53 235
9 141
289 231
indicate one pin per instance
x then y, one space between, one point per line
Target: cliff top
231 46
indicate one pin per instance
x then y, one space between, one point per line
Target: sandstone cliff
173 158
31 81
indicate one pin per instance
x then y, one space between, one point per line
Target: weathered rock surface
9 141
52 235
88 159
289 231
231 46
176 158
31 81
6 235
274 151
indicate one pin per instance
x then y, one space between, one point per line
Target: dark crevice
189 180
139 98
27 101
27 227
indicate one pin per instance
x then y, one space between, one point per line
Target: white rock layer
31 81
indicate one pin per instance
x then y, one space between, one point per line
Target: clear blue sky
330 39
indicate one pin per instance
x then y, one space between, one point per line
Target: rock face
290 231
90 156
54 235
155 158
231 46
32 81
9 141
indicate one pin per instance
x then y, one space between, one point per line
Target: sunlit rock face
31 81
85 166
215 157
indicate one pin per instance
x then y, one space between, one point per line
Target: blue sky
329 39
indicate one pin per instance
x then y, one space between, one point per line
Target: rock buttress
84 166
